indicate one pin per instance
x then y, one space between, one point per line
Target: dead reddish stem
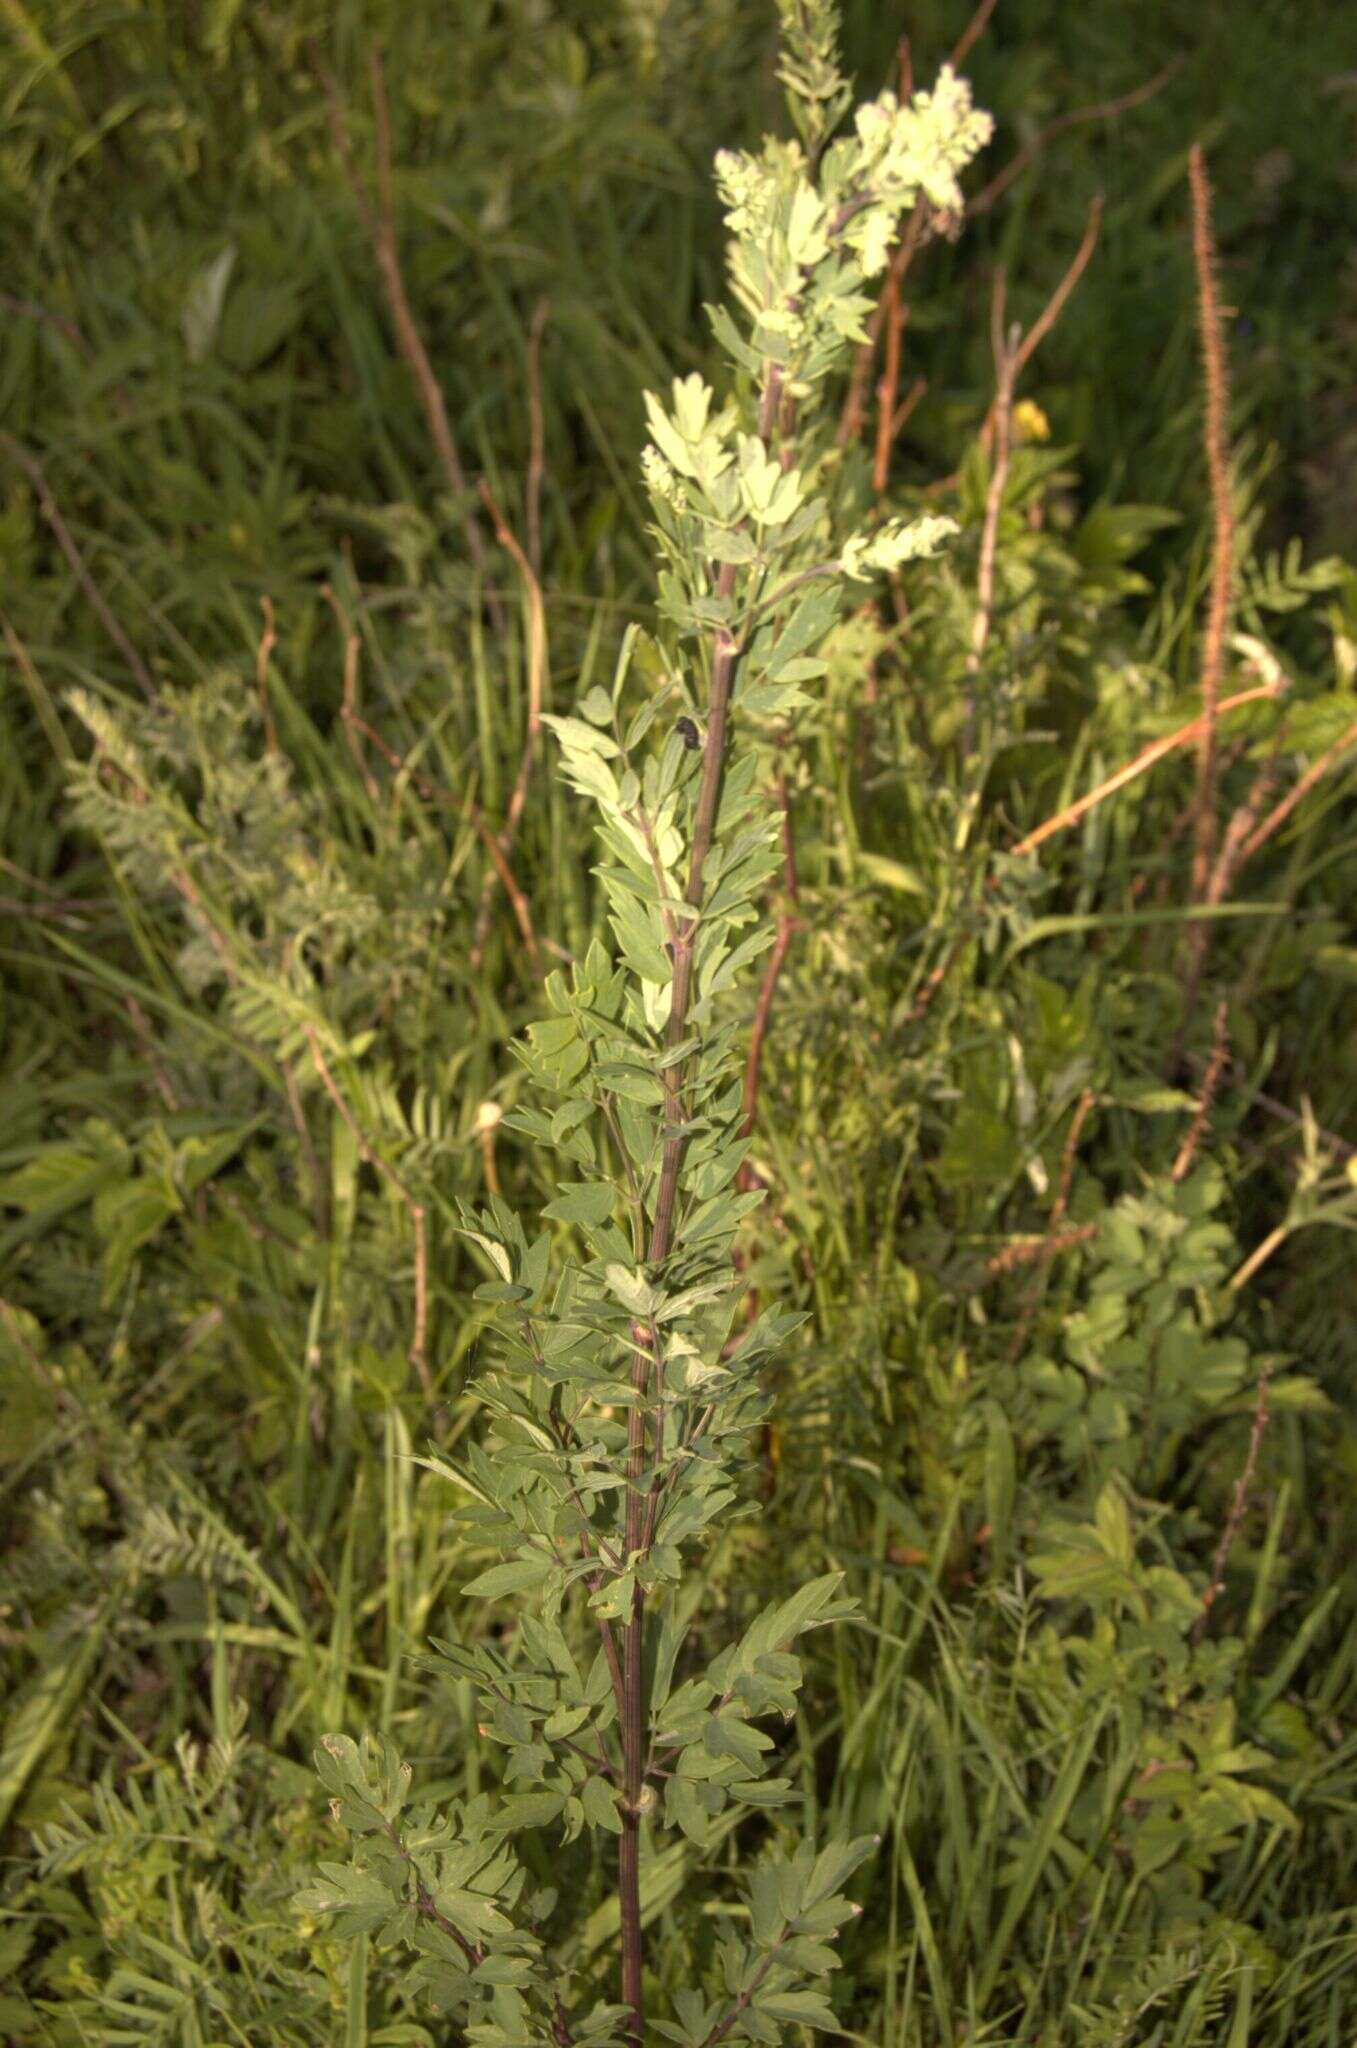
268 640
1238 1506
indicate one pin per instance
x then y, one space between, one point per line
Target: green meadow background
1111 1813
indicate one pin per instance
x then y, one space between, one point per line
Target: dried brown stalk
900 417
379 220
320 1187
1055 305
1141 882
1216 427
165 1088
1012 352
932 982
537 674
1225 867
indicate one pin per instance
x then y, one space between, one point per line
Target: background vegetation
1054 1224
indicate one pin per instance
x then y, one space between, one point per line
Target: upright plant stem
632 1732
658 1249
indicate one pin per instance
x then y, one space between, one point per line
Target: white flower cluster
660 479
905 152
748 188
922 147
898 541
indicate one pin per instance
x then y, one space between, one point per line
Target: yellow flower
1030 422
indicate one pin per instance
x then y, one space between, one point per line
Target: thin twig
1055 305
1237 833
1211 1079
537 672
1238 1506
1052 310
1314 773
1028 1251
1259 1257
971 34
518 902
51 512
900 418
379 220
990 194
165 1088
1157 750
